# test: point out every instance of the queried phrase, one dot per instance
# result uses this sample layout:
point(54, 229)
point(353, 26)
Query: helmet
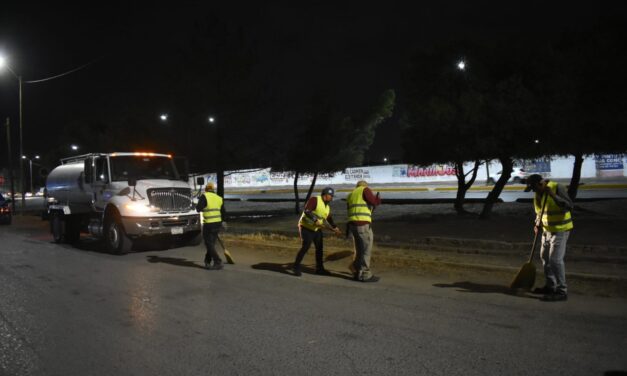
point(328, 191)
point(209, 187)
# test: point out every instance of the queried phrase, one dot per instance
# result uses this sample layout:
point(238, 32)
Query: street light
point(4, 64)
point(74, 147)
point(212, 119)
point(461, 65)
point(30, 160)
point(163, 117)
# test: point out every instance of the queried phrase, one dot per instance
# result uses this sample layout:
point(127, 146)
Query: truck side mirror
point(88, 170)
point(200, 181)
point(132, 181)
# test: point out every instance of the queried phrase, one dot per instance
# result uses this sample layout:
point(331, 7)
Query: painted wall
point(594, 166)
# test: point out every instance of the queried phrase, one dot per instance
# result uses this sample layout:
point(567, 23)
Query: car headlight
point(141, 208)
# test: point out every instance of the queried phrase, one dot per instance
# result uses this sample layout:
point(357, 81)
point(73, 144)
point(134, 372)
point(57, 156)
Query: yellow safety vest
point(322, 212)
point(358, 209)
point(554, 219)
point(211, 213)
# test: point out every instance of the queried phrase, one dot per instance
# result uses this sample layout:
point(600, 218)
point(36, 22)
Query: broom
point(227, 254)
point(526, 276)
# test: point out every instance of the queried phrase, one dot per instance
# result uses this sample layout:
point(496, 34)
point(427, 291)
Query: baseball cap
point(531, 181)
point(328, 191)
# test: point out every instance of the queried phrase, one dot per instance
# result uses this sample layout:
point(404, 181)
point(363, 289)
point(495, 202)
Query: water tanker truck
point(119, 198)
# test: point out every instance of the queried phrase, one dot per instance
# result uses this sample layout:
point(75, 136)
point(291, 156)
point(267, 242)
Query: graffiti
point(437, 170)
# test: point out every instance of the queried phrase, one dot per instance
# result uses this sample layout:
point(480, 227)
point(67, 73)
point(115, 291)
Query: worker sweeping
point(212, 209)
point(360, 204)
point(315, 217)
point(556, 221)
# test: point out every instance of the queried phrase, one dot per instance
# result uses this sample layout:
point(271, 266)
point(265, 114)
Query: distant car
point(517, 175)
point(40, 192)
point(5, 210)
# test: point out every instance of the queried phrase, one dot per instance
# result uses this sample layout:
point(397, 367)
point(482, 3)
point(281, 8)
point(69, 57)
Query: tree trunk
point(576, 177)
point(508, 166)
point(462, 186)
point(296, 198)
point(311, 187)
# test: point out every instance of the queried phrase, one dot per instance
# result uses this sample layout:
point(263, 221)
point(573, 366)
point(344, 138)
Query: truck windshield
point(142, 167)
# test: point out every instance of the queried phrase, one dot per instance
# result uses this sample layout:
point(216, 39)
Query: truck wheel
point(115, 238)
point(57, 227)
point(192, 239)
point(72, 230)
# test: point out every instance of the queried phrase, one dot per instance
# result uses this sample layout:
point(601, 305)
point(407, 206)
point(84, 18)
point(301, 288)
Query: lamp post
point(30, 161)
point(4, 64)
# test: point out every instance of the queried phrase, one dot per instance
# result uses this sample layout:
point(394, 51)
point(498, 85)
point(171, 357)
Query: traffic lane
point(84, 312)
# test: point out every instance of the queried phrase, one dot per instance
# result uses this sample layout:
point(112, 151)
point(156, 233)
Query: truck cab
point(120, 197)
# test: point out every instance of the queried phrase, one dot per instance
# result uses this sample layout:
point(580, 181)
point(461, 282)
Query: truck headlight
point(141, 208)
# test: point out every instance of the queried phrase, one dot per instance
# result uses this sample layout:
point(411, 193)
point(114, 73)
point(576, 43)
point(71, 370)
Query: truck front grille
point(171, 199)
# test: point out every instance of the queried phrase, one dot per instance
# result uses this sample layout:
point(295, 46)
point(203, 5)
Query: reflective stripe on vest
point(554, 219)
point(358, 209)
point(322, 212)
point(211, 212)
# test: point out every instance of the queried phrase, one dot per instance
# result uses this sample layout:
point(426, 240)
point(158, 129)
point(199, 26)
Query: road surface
point(72, 310)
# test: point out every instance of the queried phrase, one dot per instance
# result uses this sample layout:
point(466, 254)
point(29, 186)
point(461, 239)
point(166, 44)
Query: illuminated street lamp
point(74, 147)
point(164, 117)
point(461, 65)
point(4, 64)
point(30, 160)
point(212, 119)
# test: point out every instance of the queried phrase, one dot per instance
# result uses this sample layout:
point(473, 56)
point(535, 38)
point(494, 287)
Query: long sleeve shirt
point(372, 200)
point(311, 205)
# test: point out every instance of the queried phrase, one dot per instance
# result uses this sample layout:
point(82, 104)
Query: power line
point(62, 74)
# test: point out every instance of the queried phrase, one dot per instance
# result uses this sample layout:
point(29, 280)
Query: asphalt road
point(75, 311)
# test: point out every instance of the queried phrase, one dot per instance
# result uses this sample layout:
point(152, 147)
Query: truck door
point(101, 181)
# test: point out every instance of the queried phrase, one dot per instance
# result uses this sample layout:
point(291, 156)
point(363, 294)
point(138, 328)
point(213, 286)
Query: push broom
point(526, 276)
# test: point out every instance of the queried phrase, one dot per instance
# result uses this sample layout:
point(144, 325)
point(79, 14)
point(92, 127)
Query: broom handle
point(535, 238)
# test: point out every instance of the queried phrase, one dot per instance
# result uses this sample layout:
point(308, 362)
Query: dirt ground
point(601, 224)
point(433, 240)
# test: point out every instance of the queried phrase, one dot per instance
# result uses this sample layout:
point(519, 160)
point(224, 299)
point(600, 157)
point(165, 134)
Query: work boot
point(296, 269)
point(371, 279)
point(322, 271)
point(216, 267)
point(543, 290)
point(555, 297)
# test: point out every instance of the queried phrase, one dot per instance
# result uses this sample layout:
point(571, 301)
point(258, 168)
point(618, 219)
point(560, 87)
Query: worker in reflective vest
point(212, 208)
point(360, 204)
point(315, 217)
point(556, 222)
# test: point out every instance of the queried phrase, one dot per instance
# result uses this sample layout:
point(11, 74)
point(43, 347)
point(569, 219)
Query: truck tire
point(191, 239)
point(57, 227)
point(72, 229)
point(115, 237)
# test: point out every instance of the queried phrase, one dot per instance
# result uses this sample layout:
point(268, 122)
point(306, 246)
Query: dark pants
point(308, 237)
point(210, 235)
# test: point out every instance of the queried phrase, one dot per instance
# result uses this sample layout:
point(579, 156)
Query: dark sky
point(360, 49)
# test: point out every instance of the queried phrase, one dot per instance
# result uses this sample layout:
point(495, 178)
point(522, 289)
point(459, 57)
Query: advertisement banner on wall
point(538, 166)
point(609, 165)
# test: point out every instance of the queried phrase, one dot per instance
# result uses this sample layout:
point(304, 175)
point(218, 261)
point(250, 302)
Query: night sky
point(356, 49)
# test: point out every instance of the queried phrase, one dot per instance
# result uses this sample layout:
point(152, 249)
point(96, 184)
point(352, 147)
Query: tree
point(333, 140)
point(442, 114)
point(585, 95)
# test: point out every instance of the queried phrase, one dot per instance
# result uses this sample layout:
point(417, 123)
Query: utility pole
point(10, 165)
